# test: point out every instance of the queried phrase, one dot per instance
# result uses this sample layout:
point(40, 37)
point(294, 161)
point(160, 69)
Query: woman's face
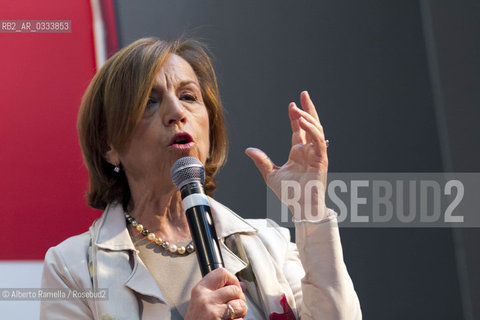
point(175, 124)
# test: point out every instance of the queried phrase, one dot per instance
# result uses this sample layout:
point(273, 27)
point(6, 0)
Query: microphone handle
point(202, 228)
point(205, 238)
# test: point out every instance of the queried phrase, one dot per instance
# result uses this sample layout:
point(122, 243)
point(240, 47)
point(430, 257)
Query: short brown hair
point(114, 103)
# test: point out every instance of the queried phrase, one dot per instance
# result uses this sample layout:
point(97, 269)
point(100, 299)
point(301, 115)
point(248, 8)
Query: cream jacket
point(308, 280)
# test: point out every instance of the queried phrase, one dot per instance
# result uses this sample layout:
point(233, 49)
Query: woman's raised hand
point(211, 297)
point(305, 172)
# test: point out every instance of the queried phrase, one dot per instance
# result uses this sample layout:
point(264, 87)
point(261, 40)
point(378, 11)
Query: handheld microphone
point(188, 175)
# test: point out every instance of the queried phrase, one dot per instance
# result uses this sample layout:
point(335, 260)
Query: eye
point(151, 107)
point(188, 97)
point(151, 102)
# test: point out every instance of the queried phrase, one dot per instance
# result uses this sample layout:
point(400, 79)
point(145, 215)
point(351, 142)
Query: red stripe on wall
point(110, 25)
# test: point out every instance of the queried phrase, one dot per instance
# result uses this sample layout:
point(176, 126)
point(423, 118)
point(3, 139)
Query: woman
point(152, 103)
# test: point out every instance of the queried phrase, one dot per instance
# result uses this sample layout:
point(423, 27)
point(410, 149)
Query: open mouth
point(181, 139)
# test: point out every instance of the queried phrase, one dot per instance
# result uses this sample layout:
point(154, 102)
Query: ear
point(112, 156)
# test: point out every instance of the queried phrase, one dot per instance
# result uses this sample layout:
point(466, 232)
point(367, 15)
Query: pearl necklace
point(171, 247)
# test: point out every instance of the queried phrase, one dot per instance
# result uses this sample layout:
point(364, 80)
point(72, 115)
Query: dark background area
point(396, 85)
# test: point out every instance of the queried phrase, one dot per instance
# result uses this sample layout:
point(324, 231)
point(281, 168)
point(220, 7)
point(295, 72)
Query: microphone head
point(186, 170)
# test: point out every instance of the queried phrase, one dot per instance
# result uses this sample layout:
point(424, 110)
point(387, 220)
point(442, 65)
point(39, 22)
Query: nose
point(174, 111)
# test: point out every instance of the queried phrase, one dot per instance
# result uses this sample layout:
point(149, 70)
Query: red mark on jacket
point(287, 311)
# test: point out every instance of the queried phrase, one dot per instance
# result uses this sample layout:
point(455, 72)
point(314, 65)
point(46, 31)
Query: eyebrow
point(157, 89)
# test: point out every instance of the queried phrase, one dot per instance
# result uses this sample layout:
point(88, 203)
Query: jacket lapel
point(269, 286)
point(116, 265)
point(228, 223)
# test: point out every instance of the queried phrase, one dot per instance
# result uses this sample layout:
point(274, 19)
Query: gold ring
point(231, 312)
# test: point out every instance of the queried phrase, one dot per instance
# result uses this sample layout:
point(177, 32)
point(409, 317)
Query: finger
point(261, 160)
point(315, 136)
point(308, 105)
point(302, 113)
point(298, 135)
point(239, 308)
point(219, 278)
point(310, 136)
point(227, 293)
